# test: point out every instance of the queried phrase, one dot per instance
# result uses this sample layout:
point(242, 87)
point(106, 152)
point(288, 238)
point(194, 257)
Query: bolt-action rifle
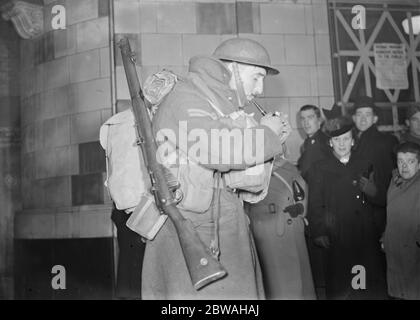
point(202, 266)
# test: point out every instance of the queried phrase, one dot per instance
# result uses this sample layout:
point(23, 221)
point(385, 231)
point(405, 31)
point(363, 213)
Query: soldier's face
point(309, 121)
point(342, 144)
point(408, 164)
point(364, 118)
point(252, 80)
point(414, 125)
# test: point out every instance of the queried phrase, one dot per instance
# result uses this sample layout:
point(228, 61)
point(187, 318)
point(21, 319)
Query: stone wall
point(66, 86)
point(65, 97)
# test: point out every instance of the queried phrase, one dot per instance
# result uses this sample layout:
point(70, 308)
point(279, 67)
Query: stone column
point(9, 152)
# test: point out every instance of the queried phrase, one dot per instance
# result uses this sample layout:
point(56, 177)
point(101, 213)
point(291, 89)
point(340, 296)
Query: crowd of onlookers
point(342, 224)
point(364, 205)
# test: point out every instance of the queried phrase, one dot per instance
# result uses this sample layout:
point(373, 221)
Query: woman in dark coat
point(341, 220)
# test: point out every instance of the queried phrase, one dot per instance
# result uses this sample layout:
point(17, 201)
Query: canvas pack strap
point(286, 183)
point(214, 243)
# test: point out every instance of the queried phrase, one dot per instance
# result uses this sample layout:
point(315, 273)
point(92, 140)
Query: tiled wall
point(166, 34)
point(65, 97)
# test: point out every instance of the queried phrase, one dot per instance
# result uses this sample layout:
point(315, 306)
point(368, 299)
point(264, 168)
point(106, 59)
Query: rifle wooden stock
point(202, 266)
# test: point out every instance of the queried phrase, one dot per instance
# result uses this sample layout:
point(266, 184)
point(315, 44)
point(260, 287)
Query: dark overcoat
point(338, 211)
point(377, 148)
point(314, 149)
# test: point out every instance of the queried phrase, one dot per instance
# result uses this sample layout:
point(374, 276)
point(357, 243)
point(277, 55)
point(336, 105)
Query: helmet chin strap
point(240, 92)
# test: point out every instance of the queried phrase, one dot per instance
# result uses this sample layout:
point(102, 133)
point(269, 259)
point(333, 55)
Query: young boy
point(401, 239)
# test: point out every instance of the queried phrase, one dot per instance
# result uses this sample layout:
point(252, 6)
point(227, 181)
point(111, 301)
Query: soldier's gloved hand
point(322, 241)
point(368, 186)
point(295, 209)
point(274, 122)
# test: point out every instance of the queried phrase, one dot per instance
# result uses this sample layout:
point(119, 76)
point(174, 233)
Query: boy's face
point(408, 164)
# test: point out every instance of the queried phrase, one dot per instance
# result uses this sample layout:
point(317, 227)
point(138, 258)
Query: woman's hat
point(337, 126)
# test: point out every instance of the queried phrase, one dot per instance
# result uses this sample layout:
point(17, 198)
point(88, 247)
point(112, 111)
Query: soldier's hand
point(274, 122)
point(368, 186)
point(322, 241)
point(285, 132)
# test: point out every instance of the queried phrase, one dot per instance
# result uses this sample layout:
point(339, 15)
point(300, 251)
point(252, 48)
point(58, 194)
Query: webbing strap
point(286, 183)
point(214, 243)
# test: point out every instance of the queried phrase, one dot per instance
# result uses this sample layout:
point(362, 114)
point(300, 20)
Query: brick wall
point(166, 34)
point(65, 97)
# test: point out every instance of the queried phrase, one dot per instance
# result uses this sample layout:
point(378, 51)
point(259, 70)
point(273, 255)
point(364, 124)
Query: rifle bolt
point(203, 261)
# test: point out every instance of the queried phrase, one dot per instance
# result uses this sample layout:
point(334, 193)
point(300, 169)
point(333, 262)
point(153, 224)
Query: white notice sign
point(391, 66)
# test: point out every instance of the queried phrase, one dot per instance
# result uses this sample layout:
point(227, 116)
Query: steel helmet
point(245, 51)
